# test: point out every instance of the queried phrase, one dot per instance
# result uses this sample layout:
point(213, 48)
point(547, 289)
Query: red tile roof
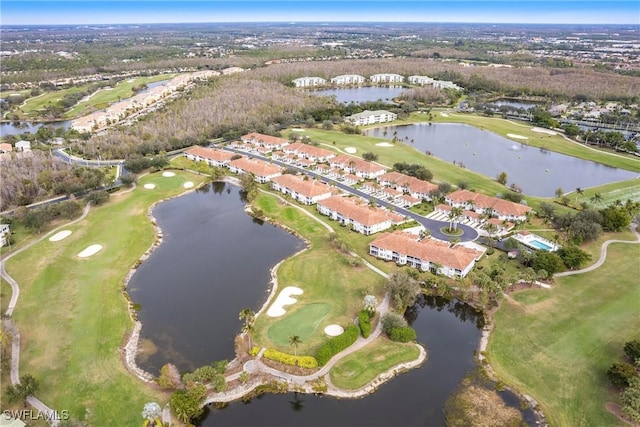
point(414, 185)
point(359, 164)
point(309, 188)
point(500, 206)
point(308, 150)
point(357, 210)
point(255, 138)
point(256, 167)
point(457, 257)
point(209, 153)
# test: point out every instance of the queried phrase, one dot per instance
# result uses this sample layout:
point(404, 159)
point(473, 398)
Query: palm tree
point(453, 216)
point(295, 340)
point(490, 228)
point(248, 329)
point(247, 315)
point(579, 192)
point(596, 198)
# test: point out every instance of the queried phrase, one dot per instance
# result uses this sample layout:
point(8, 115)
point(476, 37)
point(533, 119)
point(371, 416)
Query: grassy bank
point(359, 369)
point(557, 344)
point(72, 315)
point(323, 273)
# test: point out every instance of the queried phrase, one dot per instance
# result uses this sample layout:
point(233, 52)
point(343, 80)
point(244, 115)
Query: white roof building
point(309, 81)
point(23, 146)
point(386, 78)
point(370, 117)
point(348, 79)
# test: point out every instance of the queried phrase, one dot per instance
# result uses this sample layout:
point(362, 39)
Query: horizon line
point(292, 22)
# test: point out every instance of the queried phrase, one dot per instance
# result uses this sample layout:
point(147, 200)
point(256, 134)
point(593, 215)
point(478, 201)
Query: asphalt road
point(468, 234)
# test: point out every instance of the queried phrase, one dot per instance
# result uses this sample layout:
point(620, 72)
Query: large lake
point(22, 127)
point(215, 260)
point(538, 172)
point(362, 94)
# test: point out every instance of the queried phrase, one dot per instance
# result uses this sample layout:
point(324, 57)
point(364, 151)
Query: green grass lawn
point(302, 320)
point(360, 368)
point(73, 317)
point(557, 344)
point(325, 276)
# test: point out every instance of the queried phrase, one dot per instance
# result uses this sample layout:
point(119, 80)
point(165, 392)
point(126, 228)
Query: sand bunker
point(91, 250)
point(60, 235)
point(168, 174)
point(350, 150)
point(516, 136)
point(384, 144)
point(284, 298)
point(542, 130)
point(149, 186)
point(298, 130)
point(188, 184)
point(444, 114)
point(334, 330)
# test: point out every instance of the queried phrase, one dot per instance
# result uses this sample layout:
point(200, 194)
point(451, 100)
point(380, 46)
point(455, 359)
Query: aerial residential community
point(417, 214)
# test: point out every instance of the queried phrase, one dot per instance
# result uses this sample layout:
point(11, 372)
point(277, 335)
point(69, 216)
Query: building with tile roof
point(426, 254)
point(307, 192)
point(261, 170)
point(502, 209)
point(210, 156)
point(356, 213)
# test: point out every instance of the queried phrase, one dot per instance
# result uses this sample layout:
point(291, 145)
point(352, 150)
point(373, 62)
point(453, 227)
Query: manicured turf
point(306, 322)
point(72, 316)
point(360, 368)
point(556, 345)
point(322, 272)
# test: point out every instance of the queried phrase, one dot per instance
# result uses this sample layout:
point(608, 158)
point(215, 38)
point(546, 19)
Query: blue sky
point(19, 12)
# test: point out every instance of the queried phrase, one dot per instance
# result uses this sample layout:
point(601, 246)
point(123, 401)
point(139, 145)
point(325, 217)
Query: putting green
point(304, 322)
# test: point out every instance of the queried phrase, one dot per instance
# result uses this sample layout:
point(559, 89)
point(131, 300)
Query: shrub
point(620, 374)
point(98, 197)
point(254, 351)
point(490, 251)
point(364, 322)
point(288, 359)
point(336, 344)
point(405, 334)
point(391, 321)
point(632, 349)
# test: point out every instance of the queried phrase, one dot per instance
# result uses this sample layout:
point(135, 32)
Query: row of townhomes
point(368, 117)
point(504, 210)
point(358, 214)
point(356, 79)
point(426, 254)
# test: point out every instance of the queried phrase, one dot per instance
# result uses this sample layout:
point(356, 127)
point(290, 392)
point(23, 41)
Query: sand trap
point(284, 298)
point(91, 250)
point(384, 144)
point(149, 186)
point(350, 150)
point(168, 174)
point(542, 130)
point(60, 235)
point(188, 184)
point(516, 136)
point(444, 114)
point(297, 130)
point(334, 330)
point(131, 80)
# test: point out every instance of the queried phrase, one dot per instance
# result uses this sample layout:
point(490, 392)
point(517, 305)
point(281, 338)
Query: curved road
point(468, 234)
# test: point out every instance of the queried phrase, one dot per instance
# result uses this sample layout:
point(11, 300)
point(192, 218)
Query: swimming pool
point(540, 245)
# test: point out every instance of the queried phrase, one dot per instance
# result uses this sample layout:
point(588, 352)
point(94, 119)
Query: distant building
point(386, 78)
point(5, 147)
point(309, 81)
point(371, 117)
point(267, 141)
point(348, 79)
point(421, 80)
point(446, 85)
point(357, 166)
point(5, 233)
point(23, 146)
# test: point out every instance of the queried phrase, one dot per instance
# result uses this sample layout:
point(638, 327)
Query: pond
point(450, 331)
point(362, 94)
point(538, 172)
point(213, 262)
point(17, 128)
point(513, 103)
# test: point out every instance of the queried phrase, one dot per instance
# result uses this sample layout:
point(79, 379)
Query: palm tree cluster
point(249, 317)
